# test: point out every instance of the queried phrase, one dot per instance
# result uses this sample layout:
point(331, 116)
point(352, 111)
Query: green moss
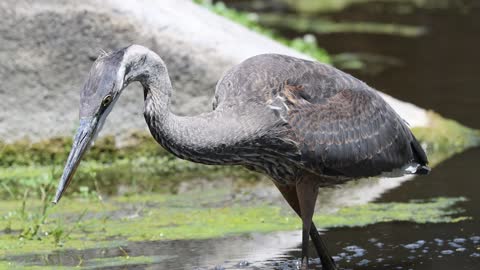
point(54, 151)
point(445, 137)
point(250, 20)
point(89, 264)
point(191, 216)
point(7, 265)
point(313, 6)
point(326, 6)
point(303, 24)
point(141, 164)
point(159, 174)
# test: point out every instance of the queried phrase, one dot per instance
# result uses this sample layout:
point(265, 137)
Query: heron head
point(102, 89)
point(109, 75)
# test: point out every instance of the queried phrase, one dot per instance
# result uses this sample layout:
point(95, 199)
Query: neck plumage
point(203, 138)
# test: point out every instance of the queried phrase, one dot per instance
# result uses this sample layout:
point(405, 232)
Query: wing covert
point(351, 133)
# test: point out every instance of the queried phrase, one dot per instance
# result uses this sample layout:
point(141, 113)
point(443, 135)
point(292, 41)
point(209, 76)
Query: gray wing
point(345, 128)
point(341, 125)
point(353, 133)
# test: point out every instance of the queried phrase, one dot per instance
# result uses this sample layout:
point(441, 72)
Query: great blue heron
point(303, 123)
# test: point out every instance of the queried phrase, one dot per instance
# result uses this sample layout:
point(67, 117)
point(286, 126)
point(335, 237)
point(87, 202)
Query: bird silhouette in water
point(303, 123)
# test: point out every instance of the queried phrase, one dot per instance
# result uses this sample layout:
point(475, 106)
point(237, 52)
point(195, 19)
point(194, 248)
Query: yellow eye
point(106, 100)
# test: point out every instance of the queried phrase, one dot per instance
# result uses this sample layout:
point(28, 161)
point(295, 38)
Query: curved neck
point(202, 138)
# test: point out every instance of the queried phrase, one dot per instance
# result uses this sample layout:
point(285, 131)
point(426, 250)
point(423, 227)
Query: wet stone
point(454, 245)
point(459, 240)
point(438, 241)
point(413, 246)
point(363, 262)
point(475, 239)
point(358, 251)
point(447, 252)
point(337, 258)
point(243, 264)
point(475, 255)
point(343, 254)
point(372, 240)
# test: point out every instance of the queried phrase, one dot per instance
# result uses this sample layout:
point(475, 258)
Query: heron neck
point(196, 138)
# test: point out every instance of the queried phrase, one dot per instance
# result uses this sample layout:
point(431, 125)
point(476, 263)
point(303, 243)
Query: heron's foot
point(304, 265)
point(328, 263)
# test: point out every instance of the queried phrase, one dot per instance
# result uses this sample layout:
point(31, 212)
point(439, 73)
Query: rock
point(48, 46)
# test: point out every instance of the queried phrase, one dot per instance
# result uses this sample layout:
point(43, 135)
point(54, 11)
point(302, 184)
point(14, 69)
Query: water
point(439, 69)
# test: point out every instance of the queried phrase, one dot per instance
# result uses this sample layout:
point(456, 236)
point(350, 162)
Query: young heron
point(303, 123)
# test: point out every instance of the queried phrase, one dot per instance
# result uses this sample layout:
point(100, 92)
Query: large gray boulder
point(48, 46)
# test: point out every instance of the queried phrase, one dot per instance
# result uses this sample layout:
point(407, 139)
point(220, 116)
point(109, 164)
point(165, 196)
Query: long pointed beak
point(83, 138)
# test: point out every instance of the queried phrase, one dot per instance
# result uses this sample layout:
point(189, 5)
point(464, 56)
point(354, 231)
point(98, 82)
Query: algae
point(300, 23)
point(324, 6)
point(170, 217)
point(443, 137)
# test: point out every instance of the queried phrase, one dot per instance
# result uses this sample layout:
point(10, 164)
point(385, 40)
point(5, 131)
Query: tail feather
point(422, 169)
point(420, 157)
point(418, 152)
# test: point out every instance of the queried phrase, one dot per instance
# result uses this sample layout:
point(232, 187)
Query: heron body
point(303, 123)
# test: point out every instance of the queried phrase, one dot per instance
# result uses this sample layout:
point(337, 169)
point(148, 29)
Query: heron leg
point(307, 192)
point(290, 195)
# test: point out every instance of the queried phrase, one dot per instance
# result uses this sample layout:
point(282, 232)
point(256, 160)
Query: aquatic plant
point(302, 24)
point(445, 137)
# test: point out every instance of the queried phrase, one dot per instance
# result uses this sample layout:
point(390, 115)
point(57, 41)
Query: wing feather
point(350, 132)
point(340, 125)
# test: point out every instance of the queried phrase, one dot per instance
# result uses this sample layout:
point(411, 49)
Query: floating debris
point(363, 262)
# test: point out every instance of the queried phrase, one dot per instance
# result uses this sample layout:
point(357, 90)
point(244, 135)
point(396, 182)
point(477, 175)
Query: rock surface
point(48, 46)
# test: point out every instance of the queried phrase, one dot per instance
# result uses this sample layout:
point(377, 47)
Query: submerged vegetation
point(303, 24)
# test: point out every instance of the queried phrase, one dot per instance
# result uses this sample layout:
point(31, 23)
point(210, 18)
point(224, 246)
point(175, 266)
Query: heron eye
point(106, 100)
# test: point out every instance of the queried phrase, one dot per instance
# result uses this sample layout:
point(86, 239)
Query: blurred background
point(134, 206)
